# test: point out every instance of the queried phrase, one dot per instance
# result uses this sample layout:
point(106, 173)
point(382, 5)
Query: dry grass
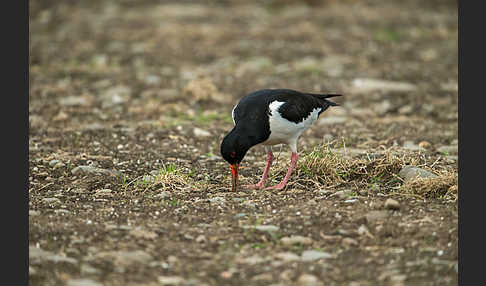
point(440, 187)
point(326, 167)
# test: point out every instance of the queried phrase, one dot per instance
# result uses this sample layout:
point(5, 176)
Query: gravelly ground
point(143, 91)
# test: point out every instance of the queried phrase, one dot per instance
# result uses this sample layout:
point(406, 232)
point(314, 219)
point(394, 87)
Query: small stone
point(263, 228)
point(410, 172)
point(348, 241)
point(240, 215)
point(103, 192)
point(363, 230)
point(162, 195)
point(143, 234)
point(83, 282)
point(392, 204)
point(226, 274)
point(374, 216)
point(311, 255)
point(425, 144)
point(217, 200)
point(123, 259)
point(308, 280)
point(198, 132)
point(406, 109)
point(60, 116)
point(267, 228)
point(332, 120)
point(53, 162)
point(365, 85)
point(87, 269)
point(51, 200)
point(410, 145)
point(34, 213)
point(170, 280)
point(74, 101)
point(341, 194)
point(201, 238)
point(287, 256)
point(88, 170)
point(296, 239)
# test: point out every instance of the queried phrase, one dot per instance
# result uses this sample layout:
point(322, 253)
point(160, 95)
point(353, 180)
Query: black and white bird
point(270, 117)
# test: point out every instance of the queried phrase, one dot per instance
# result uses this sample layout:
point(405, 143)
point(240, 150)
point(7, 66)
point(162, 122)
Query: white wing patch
point(285, 131)
point(233, 114)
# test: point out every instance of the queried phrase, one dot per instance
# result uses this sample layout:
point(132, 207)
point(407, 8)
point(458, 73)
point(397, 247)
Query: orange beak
point(234, 176)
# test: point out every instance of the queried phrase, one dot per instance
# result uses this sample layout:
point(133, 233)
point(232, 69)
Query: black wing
point(298, 105)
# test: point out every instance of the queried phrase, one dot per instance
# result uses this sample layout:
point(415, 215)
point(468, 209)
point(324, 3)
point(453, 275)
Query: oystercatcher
point(270, 117)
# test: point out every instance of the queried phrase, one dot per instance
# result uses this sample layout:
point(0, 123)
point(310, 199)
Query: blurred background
point(102, 54)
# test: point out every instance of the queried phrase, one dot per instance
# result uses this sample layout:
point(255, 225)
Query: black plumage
point(255, 122)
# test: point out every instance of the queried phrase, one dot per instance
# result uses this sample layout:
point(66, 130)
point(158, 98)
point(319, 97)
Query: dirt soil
point(129, 101)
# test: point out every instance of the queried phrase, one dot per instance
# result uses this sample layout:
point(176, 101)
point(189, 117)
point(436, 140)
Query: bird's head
point(233, 149)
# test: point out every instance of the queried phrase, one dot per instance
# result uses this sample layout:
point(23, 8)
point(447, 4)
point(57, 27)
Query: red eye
point(233, 154)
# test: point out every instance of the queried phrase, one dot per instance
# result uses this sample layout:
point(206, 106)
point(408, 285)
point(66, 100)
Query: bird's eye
point(233, 154)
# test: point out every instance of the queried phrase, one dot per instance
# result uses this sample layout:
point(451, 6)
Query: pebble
point(34, 213)
point(296, 239)
point(331, 120)
point(143, 234)
point(37, 255)
point(341, 194)
point(363, 230)
point(170, 280)
point(374, 216)
point(348, 241)
point(74, 101)
point(410, 172)
point(410, 145)
point(240, 215)
point(162, 195)
point(89, 170)
point(103, 192)
point(87, 269)
point(201, 238)
point(51, 200)
point(217, 200)
point(287, 256)
point(198, 132)
point(126, 258)
point(311, 255)
point(308, 280)
point(83, 282)
point(365, 85)
point(53, 162)
point(425, 144)
point(392, 204)
point(264, 228)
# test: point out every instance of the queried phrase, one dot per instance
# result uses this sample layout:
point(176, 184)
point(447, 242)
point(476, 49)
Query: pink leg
point(261, 184)
point(293, 162)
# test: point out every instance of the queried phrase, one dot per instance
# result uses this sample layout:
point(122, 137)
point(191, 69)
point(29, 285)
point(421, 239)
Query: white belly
point(285, 131)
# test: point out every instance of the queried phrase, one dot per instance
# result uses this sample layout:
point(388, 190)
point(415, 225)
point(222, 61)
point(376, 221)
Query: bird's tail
point(325, 96)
